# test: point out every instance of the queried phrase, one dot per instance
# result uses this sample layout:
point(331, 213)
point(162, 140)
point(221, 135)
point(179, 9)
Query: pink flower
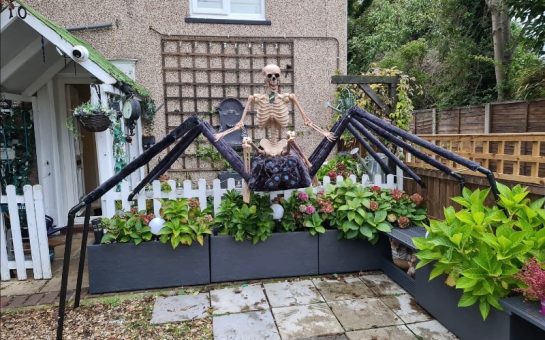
point(534, 278)
point(303, 196)
point(375, 188)
point(373, 206)
point(332, 174)
point(302, 208)
point(310, 210)
point(397, 194)
point(416, 198)
point(325, 206)
point(403, 221)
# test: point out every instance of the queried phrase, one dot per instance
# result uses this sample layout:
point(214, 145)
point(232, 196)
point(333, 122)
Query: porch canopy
point(34, 49)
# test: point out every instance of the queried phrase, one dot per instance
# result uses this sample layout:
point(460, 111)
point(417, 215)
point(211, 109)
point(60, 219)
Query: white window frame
point(225, 13)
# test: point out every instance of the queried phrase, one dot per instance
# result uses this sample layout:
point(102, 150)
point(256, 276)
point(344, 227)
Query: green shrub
point(127, 227)
point(185, 223)
point(245, 221)
point(481, 248)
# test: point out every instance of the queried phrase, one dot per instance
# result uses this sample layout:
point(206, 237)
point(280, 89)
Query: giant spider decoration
point(279, 164)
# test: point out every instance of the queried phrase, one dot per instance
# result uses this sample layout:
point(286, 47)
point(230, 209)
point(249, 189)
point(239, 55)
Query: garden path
point(355, 306)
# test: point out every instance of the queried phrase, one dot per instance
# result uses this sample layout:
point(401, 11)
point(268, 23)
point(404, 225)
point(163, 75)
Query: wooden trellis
point(511, 156)
point(199, 72)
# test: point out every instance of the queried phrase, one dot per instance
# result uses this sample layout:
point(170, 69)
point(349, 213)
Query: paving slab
point(386, 333)
point(238, 299)
point(316, 320)
point(180, 308)
point(363, 314)
point(406, 308)
point(381, 285)
point(242, 326)
point(431, 330)
point(342, 288)
point(282, 294)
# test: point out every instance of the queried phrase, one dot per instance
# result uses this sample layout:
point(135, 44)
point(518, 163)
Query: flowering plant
point(306, 210)
point(533, 276)
point(404, 209)
point(124, 227)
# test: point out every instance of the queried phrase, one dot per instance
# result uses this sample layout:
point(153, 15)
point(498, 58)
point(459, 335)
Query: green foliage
point(447, 47)
point(210, 154)
point(185, 223)
point(481, 248)
point(354, 216)
point(244, 221)
point(306, 210)
point(342, 165)
point(127, 227)
point(165, 187)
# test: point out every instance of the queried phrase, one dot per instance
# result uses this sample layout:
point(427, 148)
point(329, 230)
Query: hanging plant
point(93, 117)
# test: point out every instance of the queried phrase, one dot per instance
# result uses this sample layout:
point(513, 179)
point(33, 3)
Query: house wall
point(316, 27)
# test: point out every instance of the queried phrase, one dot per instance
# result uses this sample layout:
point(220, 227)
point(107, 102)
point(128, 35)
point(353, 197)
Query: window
point(228, 9)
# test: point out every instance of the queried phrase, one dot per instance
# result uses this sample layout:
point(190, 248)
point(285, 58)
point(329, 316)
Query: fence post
point(16, 232)
point(32, 231)
point(487, 118)
point(156, 185)
point(42, 231)
point(433, 121)
point(216, 191)
point(202, 193)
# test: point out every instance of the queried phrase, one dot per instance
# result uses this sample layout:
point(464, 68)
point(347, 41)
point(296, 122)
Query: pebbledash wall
point(317, 28)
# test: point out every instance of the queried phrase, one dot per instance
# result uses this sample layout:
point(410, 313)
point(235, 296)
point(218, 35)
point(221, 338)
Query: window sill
point(227, 21)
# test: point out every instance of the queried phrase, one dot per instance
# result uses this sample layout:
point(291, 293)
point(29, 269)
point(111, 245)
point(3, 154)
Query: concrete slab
point(381, 285)
point(307, 321)
point(250, 325)
point(406, 308)
point(342, 288)
point(293, 293)
point(386, 333)
point(431, 330)
point(239, 299)
point(180, 308)
point(364, 313)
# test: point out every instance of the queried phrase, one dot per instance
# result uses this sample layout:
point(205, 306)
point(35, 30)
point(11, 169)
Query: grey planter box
point(281, 255)
point(342, 256)
point(125, 266)
point(441, 301)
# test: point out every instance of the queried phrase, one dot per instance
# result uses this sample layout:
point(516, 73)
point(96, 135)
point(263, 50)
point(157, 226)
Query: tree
point(501, 36)
point(531, 15)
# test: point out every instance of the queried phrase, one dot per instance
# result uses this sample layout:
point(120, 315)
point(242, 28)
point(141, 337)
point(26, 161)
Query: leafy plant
point(356, 214)
point(404, 210)
point(127, 227)
point(245, 221)
point(481, 248)
point(185, 223)
point(306, 210)
point(342, 165)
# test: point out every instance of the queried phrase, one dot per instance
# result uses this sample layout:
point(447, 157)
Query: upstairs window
point(228, 9)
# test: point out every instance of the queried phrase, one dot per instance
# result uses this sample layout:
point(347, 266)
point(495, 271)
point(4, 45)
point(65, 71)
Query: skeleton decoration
point(272, 113)
point(275, 159)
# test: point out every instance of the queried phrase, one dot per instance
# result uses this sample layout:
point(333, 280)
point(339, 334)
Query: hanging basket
point(95, 122)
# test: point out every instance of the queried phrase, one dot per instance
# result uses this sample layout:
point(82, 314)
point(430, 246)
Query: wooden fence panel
point(536, 116)
point(509, 117)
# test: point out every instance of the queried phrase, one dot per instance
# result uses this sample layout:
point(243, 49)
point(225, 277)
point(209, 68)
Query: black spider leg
point(356, 111)
point(415, 152)
point(369, 149)
point(181, 131)
point(374, 140)
point(324, 148)
point(167, 161)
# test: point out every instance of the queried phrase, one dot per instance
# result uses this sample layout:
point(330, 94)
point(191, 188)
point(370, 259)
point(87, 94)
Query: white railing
point(12, 242)
point(202, 190)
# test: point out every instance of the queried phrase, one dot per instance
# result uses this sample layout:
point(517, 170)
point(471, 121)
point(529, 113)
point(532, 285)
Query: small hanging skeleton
point(272, 110)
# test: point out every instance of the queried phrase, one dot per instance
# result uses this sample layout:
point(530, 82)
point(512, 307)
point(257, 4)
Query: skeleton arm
point(329, 135)
point(238, 125)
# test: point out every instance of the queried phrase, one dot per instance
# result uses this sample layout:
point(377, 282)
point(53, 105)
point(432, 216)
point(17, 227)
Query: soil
point(106, 318)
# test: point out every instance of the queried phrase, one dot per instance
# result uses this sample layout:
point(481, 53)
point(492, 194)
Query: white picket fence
point(202, 190)
point(12, 244)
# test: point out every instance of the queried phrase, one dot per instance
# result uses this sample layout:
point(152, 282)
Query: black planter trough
point(281, 255)
point(125, 266)
point(441, 301)
point(343, 256)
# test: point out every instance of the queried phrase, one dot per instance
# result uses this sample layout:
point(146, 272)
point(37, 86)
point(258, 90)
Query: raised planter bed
point(125, 266)
point(281, 255)
point(526, 321)
point(342, 256)
point(441, 301)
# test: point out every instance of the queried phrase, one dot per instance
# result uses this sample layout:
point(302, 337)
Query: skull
point(272, 75)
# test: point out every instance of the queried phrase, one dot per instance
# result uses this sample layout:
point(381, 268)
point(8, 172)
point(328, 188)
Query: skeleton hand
point(219, 135)
point(330, 136)
point(237, 126)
